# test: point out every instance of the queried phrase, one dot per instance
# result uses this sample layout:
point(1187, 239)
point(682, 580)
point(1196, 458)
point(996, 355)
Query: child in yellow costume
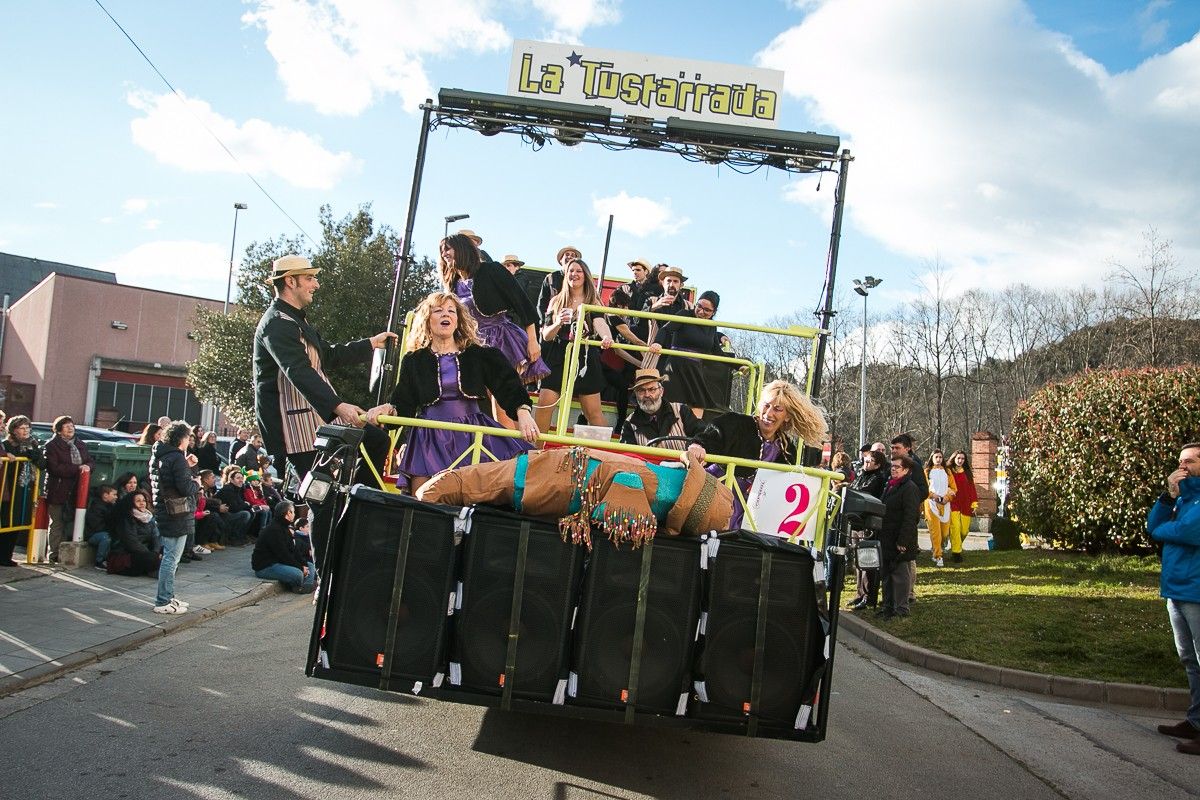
point(937, 506)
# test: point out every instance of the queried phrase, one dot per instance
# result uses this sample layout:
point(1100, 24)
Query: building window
point(141, 403)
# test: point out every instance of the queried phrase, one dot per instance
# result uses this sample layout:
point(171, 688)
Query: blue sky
point(1007, 140)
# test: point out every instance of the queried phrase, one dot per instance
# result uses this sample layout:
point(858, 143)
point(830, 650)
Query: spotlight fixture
point(568, 137)
point(116, 324)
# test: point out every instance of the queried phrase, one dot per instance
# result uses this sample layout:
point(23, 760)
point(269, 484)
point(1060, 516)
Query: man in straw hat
point(653, 418)
point(512, 264)
point(292, 394)
point(672, 299)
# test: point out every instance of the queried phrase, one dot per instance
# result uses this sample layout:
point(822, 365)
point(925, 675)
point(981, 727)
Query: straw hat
point(512, 259)
point(668, 270)
point(470, 234)
point(640, 261)
point(645, 377)
point(290, 265)
point(561, 250)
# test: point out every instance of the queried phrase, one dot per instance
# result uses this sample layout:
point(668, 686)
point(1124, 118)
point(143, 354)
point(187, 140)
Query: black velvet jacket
point(480, 370)
point(496, 290)
point(737, 435)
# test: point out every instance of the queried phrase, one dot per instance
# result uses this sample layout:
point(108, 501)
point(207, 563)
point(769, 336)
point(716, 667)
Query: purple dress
point(770, 451)
point(499, 331)
point(431, 450)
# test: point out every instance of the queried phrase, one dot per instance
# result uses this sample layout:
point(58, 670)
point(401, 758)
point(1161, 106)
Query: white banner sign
point(634, 84)
point(783, 504)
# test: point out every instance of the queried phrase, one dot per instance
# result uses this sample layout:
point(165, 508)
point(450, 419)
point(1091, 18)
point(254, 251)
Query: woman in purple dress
point(444, 376)
point(504, 313)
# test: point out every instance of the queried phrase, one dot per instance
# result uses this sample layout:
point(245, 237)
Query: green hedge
point(1090, 454)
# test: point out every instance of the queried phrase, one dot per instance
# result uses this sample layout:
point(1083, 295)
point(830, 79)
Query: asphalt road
point(223, 710)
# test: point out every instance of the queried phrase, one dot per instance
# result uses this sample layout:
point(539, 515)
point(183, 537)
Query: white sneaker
point(175, 601)
point(201, 550)
point(169, 608)
point(939, 562)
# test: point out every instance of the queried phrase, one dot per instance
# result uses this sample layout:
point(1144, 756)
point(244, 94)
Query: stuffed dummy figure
point(627, 497)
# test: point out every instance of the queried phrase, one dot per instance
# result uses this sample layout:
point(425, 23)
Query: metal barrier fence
point(826, 497)
point(20, 488)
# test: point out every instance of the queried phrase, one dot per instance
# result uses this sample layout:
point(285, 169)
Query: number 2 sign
point(782, 503)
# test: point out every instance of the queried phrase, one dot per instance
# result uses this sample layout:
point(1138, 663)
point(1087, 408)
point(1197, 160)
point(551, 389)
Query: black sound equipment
point(390, 592)
point(763, 644)
point(638, 622)
point(520, 586)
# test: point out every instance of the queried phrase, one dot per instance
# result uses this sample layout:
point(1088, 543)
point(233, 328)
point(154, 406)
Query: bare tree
point(1156, 291)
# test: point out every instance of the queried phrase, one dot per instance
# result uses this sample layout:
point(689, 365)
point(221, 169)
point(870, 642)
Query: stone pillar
point(76, 554)
point(983, 465)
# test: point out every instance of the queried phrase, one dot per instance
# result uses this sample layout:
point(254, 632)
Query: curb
point(1154, 698)
point(35, 676)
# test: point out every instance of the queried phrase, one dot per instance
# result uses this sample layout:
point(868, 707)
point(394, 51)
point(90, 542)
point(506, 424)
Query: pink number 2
point(792, 526)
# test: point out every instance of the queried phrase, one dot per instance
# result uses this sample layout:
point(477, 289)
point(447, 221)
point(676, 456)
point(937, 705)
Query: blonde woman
point(785, 419)
point(937, 506)
point(443, 377)
point(558, 330)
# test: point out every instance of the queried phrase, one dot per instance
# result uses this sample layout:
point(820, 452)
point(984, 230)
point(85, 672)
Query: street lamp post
point(232, 248)
point(863, 287)
point(452, 218)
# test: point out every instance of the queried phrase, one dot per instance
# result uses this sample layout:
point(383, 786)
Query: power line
point(216, 138)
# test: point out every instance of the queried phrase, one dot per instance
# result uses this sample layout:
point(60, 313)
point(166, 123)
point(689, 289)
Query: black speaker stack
point(485, 606)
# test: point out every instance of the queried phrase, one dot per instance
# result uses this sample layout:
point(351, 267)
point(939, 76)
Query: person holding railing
point(18, 500)
point(784, 412)
point(443, 377)
point(558, 331)
point(505, 318)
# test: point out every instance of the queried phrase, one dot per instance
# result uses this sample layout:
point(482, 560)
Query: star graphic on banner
point(574, 59)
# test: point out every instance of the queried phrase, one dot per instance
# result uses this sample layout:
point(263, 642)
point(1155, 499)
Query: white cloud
point(184, 267)
point(340, 56)
point(174, 132)
point(994, 144)
point(107, 220)
point(569, 18)
point(135, 205)
point(1154, 30)
point(638, 216)
point(46, 204)
point(151, 224)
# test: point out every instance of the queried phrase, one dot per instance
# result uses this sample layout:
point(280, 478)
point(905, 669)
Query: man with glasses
point(898, 539)
point(653, 419)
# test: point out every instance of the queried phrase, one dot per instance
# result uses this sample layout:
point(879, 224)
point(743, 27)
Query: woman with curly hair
point(785, 419)
point(443, 377)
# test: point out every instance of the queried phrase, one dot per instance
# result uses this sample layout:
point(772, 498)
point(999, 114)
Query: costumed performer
point(783, 412)
point(444, 375)
point(507, 319)
point(558, 330)
point(937, 506)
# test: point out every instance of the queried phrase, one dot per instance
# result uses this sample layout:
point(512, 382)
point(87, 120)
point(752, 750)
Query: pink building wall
point(58, 327)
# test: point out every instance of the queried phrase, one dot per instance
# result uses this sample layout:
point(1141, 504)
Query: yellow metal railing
point(757, 371)
point(18, 502)
point(476, 451)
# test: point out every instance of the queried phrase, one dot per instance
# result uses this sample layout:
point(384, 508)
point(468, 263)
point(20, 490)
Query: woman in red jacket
point(962, 505)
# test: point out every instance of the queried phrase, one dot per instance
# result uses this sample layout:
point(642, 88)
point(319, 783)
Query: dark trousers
point(868, 586)
point(897, 578)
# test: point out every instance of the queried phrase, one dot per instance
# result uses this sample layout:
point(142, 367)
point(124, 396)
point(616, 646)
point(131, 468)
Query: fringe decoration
point(624, 525)
point(578, 526)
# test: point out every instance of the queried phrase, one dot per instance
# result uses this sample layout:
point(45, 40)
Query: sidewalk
point(54, 620)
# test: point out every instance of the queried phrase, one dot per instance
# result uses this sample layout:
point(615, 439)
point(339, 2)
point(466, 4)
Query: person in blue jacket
point(1174, 521)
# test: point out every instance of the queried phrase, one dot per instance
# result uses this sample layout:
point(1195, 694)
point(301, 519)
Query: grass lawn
point(1059, 613)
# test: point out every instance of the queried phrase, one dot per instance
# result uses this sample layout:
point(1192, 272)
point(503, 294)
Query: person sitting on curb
point(279, 557)
point(232, 495)
point(252, 491)
point(96, 522)
point(134, 547)
point(1174, 520)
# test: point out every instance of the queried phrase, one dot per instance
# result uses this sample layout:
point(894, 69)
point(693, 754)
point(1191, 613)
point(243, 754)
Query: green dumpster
point(114, 458)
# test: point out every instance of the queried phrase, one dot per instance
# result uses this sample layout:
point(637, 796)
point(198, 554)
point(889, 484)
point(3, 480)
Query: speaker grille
point(360, 608)
point(553, 572)
point(792, 641)
point(608, 619)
